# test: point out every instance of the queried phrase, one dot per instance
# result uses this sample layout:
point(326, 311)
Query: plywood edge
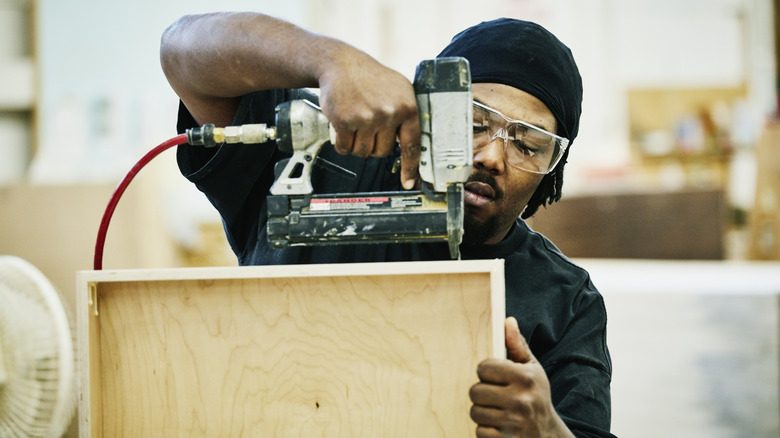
point(317, 270)
point(88, 375)
point(498, 307)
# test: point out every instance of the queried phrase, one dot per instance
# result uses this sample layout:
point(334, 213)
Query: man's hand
point(512, 398)
point(371, 106)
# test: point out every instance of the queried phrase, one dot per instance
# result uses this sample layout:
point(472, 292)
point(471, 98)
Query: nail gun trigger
point(279, 167)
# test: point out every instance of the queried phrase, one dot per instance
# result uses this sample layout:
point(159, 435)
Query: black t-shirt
point(560, 312)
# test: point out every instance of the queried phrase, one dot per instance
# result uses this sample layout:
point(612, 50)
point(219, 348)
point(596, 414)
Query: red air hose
point(101, 237)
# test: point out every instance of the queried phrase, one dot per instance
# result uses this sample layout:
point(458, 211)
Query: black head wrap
point(526, 56)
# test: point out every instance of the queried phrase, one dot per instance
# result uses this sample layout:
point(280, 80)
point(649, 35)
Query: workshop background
point(671, 200)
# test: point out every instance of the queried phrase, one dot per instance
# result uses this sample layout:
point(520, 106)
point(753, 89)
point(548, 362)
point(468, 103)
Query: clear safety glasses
point(526, 147)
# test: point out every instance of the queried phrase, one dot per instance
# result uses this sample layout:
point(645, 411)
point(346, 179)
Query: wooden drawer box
point(381, 349)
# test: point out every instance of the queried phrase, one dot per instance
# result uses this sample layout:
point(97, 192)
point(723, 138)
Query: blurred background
point(671, 200)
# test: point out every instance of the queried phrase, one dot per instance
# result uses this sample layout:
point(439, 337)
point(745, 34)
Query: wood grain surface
point(308, 355)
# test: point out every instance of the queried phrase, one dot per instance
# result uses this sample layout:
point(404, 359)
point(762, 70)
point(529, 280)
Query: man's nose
point(491, 155)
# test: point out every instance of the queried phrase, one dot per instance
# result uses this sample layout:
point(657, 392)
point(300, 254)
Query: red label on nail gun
point(348, 203)
point(347, 200)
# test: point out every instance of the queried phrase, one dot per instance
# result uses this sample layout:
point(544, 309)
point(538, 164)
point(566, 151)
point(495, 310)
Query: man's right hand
point(371, 107)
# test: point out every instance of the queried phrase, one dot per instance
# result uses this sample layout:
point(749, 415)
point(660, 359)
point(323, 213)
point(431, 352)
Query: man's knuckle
point(521, 405)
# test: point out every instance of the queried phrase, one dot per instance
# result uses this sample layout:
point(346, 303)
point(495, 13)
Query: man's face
point(496, 193)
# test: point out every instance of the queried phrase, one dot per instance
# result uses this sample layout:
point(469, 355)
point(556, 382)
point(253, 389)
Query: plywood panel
point(378, 352)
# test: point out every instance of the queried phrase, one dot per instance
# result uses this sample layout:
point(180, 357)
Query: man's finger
point(516, 347)
point(486, 416)
point(385, 143)
point(345, 140)
point(409, 139)
point(487, 394)
point(488, 432)
point(364, 143)
point(493, 372)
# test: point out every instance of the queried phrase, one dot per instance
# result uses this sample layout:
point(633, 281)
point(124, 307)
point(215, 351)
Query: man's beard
point(477, 232)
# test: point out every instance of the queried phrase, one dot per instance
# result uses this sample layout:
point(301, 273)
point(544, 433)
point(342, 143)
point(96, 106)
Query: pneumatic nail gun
point(296, 216)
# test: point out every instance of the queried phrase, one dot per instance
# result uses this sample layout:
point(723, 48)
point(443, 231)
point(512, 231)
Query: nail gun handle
point(301, 129)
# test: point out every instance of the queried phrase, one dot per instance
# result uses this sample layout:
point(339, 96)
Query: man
point(234, 68)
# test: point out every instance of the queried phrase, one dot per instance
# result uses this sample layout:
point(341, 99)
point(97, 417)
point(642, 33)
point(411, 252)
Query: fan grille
point(37, 398)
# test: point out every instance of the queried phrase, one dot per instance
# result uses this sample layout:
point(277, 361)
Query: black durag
point(526, 56)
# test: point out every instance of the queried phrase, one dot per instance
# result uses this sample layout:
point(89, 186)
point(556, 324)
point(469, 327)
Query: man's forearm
point(230, 54)
point(211, 57)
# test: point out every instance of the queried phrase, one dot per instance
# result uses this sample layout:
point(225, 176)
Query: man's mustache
point(487, 178)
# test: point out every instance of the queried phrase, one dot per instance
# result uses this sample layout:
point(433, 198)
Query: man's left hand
point(512, 398)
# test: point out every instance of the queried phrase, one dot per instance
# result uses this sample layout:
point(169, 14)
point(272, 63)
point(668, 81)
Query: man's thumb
point(516, 347)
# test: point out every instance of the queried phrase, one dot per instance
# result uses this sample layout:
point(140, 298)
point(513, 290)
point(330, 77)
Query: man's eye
point(479, 128)
point(524, 148)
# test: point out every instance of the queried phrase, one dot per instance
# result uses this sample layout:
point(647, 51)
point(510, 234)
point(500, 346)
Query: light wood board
point(319, 350)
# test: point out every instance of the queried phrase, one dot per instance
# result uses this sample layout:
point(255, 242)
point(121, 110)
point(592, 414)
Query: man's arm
point(513, 395)
point(211, 60)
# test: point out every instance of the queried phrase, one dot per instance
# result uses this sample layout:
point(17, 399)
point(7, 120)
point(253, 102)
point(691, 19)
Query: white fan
point(37, 364)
